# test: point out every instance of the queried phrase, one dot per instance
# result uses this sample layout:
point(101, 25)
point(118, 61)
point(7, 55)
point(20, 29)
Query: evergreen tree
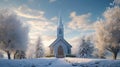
point(85, 49)
point(39, 49)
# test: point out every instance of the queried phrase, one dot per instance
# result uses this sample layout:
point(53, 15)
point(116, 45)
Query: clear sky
point(42, 15)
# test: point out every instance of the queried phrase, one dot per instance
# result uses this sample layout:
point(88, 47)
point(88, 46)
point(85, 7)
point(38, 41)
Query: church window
point(60, 31)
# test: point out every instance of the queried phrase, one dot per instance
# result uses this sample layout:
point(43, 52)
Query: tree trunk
point(115, 55)
point(8, 53)
point(15, 54)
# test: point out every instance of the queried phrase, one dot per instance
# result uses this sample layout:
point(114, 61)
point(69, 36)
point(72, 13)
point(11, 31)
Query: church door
point(60, 52)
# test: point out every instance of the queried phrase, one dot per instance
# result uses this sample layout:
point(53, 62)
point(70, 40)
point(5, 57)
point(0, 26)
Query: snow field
point(60, 62)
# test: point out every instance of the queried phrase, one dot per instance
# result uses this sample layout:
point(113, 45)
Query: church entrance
point(60, 52)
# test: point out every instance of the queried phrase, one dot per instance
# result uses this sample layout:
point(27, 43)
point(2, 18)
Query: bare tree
point(13, 34)
point(108, 31)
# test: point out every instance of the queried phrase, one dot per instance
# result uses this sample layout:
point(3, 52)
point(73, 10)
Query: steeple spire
point(60, 29)
point(60, 19)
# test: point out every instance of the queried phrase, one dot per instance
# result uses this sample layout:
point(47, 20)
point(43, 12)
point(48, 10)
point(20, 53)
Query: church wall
point(69, 50)
point(51, 51)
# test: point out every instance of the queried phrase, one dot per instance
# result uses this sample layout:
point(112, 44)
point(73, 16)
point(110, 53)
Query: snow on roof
point(60, 39)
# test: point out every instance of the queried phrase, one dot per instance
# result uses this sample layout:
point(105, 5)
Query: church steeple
point(60, 20)
point(60, 47)
point(60, 29)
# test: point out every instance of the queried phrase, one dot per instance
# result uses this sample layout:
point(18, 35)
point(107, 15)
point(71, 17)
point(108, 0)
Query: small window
point(60, 31)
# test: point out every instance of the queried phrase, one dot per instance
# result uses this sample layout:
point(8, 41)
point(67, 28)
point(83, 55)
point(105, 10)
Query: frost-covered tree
point(13, 34)
point(30, 53)
point(108, 31)
point(99, 39)
point(85, 49)
point(39, 49)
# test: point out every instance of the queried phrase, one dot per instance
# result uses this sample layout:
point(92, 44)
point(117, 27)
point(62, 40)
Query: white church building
point(60, 47)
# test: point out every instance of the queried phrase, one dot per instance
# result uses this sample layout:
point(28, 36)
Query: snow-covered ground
point(84, 62)
point(61, 62)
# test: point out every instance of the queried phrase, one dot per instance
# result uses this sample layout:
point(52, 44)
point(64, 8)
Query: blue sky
point(42, 15)
point(52, 7)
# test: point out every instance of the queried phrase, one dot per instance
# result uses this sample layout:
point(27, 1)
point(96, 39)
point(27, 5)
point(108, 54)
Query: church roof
point(60, 39)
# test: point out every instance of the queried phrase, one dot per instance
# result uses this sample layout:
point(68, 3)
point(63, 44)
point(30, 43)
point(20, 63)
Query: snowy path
point(60, 63)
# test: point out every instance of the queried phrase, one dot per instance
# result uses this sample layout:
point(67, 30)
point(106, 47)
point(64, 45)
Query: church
point(60, 48)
